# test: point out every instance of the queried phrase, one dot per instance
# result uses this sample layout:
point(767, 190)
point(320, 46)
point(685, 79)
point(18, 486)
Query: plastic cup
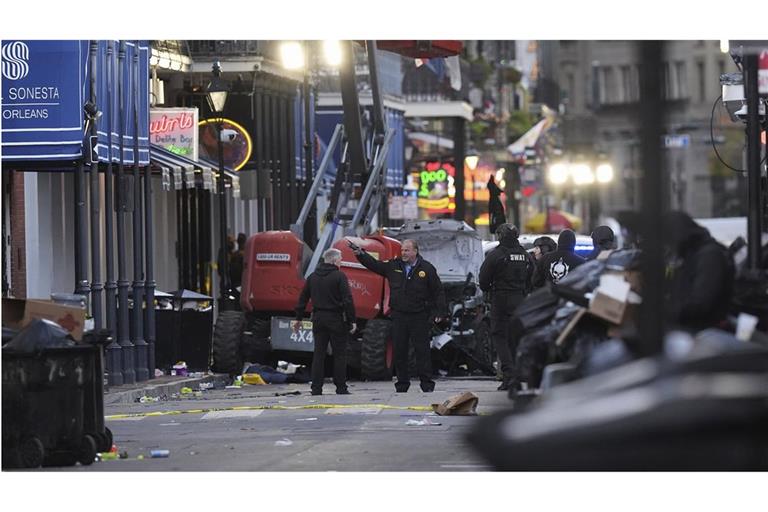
point(745, 326)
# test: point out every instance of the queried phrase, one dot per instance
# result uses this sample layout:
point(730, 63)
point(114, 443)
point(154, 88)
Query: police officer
point(416, 298)
point(333, 316)
point(506, 273)
point(554, 266)
point(603, 239)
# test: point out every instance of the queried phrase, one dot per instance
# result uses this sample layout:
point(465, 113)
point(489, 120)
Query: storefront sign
point(396, 205)
point(410, 208)
point(175, 129)
point(42, 99)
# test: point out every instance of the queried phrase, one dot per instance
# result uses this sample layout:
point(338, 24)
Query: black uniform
point(700, 278)
point(416, 298)
point(554, 266)
point(506, 273)
point(603, 239)
point(333, 314)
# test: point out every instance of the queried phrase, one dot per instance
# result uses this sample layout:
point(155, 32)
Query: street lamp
point(217, 92)
point(292, 55)
point(558, 173)
point(604, 173)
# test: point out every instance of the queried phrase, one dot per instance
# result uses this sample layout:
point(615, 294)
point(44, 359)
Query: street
point(268, 428)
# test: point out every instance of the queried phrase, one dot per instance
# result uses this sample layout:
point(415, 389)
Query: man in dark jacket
point(700, 274)
point(506, 273)
point(603, 239)
point(333, 316)
point(554, 266)
point(416, 298)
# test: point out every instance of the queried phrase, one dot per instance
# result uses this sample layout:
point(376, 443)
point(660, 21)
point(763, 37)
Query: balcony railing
point(223, 49)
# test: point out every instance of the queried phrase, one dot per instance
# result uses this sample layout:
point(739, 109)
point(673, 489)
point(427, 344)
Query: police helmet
point(507, 231)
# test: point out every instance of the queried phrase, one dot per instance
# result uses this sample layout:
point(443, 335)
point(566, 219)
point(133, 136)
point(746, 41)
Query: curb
point(132, 395)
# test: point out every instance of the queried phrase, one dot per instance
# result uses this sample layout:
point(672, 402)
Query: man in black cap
point(416, 298)
point(506, 273)
point(333, 317)
point(603, 239)
point(554, 266)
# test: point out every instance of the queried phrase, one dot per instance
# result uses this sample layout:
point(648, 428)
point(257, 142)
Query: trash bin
point(53, 407)
point(184, 333)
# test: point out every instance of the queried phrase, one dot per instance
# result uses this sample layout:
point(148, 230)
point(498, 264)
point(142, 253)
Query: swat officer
point(416, 298)
point(506, 273)
point(554, 266)
point(333, 316)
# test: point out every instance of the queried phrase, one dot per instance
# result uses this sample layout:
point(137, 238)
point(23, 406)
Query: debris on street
point(464, 404)
point(284, 442)
point(422, 422)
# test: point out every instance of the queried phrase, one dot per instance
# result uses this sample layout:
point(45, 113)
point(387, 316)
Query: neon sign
point(430, 177)
point(175, 130)
point(237, 150)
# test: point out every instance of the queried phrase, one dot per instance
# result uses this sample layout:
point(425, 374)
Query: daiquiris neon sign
point(428, 178)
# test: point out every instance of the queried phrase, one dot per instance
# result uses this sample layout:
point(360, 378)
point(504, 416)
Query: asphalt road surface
point(267, 428)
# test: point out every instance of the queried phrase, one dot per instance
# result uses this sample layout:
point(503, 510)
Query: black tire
point(110, 438)
point(31, 453)
point(374, 364)
point(226, 342)
point(256, 348)
point(87, 452)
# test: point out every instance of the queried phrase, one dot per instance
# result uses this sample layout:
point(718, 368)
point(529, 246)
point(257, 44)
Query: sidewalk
point(159, 386)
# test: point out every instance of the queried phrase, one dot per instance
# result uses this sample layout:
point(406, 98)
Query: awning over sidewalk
point(188, 173)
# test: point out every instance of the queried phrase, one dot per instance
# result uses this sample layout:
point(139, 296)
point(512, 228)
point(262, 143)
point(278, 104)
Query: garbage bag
point(583, 278)
point(606, 356)
point(537, 308)
point(39, 335)
point(536, 350)
point(624, 259)
point(8, 334)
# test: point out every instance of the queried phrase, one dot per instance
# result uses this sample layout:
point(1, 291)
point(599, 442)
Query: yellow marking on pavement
point(265, 407)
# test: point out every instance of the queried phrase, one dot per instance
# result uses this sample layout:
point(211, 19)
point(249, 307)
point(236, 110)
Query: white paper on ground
point(440, 340)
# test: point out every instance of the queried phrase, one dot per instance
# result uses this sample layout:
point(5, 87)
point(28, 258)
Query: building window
point(607, 86)
point(681, 75)
point(675, 80)
point(702, 79)
point(628, 92)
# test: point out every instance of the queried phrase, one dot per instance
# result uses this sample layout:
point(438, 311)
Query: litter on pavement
point(283, 442)
point(306, 419)
point(463, 404)
point(422, 422)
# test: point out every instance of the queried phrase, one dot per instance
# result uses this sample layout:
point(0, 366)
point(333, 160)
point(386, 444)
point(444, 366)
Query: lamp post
point(217, 93)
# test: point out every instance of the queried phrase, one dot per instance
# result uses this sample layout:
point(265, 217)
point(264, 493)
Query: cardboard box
point(464, 404)
point(18, 313)
point(610, 298)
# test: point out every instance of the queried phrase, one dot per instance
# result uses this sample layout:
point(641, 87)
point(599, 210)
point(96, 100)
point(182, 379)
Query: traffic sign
point(677, 141)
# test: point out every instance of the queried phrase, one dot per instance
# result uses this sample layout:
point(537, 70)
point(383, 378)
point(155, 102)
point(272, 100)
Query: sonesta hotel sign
point(42, 99)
